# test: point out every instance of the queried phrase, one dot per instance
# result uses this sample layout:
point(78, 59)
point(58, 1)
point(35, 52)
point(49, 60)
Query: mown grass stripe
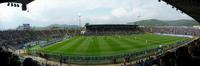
point(59, 44)
point(83, 46)
point(94, 46)
point(104, 46)
point(114, 45)
point(73, 46)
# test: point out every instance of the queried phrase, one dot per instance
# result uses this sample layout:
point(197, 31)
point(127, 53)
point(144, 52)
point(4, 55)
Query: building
point(24, 27)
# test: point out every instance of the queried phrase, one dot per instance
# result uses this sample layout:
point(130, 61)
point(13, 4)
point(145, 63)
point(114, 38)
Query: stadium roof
point(13, 3)
point(109, 25)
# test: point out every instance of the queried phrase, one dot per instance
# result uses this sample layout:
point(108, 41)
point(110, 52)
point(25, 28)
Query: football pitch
point(110, 45)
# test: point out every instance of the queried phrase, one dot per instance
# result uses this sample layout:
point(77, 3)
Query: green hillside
point(156, 22)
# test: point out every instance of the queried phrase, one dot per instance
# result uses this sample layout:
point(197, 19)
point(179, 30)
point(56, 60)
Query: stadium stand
point(173, 30)
point(111, 29)
point(187, 55)
point(17, 38)
point(8, 58)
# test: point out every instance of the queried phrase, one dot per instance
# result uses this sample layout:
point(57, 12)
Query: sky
point(46, 12)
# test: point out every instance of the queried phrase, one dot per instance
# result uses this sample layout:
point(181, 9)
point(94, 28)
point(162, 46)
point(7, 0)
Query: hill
point(57, 26)
point(156, 22)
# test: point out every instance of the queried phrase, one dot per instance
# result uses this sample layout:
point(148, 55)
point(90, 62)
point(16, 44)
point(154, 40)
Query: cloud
point(45, 12)
point(101, 18)
point(119, 12)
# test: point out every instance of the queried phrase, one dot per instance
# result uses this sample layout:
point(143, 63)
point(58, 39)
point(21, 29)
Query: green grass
point(109, 45)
